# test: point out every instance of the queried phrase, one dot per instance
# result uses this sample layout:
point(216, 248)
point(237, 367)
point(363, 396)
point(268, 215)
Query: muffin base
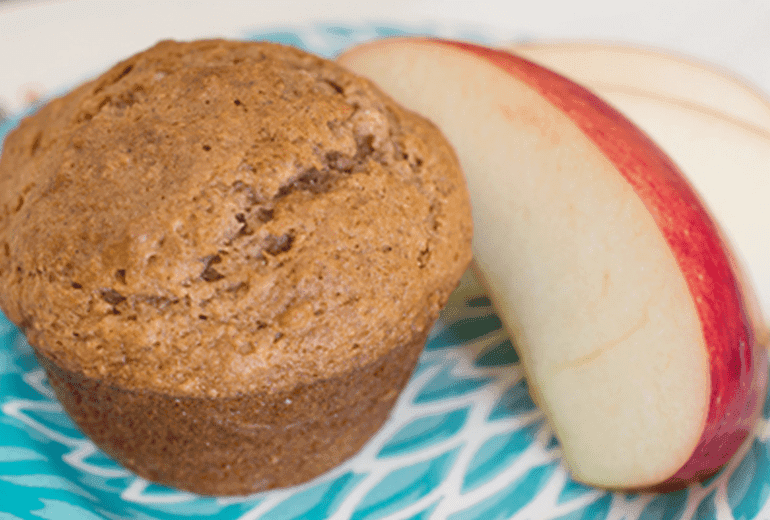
point(237, 445)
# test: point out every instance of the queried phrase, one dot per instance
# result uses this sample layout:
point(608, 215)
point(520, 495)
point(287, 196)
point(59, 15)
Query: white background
point(48, 45)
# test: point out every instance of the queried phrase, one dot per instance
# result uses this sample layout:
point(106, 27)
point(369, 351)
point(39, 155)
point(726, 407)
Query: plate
point(465, 440)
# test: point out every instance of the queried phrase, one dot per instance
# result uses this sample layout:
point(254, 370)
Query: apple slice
point(624, 301)
point(729, 165)
point(604, 66)
point(699, 128)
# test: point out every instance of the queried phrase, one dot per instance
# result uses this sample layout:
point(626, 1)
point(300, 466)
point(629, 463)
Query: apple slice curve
point(611, 276)
point(729, 165)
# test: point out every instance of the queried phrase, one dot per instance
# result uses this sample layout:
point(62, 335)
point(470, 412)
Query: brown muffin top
point(214, 218)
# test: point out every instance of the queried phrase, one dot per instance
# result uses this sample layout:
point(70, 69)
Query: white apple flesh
point(604, 67)
point(729, 165)
point(709, 123)
point(621, 295)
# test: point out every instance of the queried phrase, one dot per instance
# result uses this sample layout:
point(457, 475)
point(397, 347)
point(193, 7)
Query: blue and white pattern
point(464, 442)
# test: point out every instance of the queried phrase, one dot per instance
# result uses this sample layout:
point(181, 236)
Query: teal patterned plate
point(464, 442)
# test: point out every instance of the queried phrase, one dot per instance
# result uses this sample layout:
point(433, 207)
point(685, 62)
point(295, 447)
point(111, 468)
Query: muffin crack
point(216, 236)
point(207, 198)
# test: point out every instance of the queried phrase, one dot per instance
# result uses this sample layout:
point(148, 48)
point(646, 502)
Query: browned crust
point(214, 218)
point(227, 256)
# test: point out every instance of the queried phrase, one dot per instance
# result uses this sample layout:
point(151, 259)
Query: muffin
point(227, 257)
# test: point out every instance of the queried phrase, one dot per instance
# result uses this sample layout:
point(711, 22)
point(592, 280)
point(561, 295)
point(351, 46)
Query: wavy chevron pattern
point(465, 441)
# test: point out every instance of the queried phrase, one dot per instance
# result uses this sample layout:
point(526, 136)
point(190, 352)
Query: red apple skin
point(725, 304)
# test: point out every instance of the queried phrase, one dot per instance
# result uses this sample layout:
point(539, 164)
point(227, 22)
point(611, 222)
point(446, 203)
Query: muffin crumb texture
point(228, 256)
point(217, 218)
